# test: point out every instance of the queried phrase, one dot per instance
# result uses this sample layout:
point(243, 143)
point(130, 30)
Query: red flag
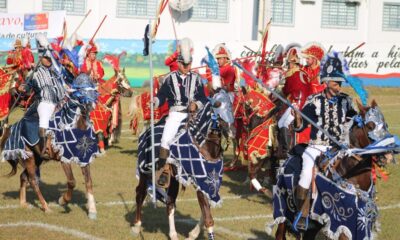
point(264, 40)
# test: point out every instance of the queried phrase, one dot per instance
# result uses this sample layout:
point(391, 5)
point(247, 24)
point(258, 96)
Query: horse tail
point(134, 105)
point(118, 129)
point(14, 165)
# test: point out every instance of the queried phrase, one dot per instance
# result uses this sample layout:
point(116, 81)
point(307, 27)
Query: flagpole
point(153, 155)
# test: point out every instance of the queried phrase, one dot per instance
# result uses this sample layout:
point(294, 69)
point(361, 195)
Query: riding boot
point(42, 144)
point(302, 204)
point(283, 138)
point(162, 168)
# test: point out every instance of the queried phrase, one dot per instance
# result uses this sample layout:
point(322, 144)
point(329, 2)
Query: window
point(391, 16)
point(339, 14)
point(73, 7)
point(136, 8)
point(3, 5)
point(210, 10)
point(282, 12)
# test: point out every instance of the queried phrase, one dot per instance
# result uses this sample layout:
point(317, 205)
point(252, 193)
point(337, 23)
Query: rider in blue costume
point(330, 109)
point(49, 90)
point(184, 92)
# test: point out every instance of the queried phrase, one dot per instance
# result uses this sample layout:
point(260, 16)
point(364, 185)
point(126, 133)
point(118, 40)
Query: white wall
point(238, 27)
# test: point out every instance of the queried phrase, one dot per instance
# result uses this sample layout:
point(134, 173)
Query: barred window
point(210, 11)
point(282, 12)
point(391, 16)
point(73, 7)
point(339, 14)
point(3, 5)
point(136, 8)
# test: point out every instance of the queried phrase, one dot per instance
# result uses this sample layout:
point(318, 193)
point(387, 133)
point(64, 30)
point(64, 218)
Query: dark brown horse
point(209, 152)
point(30, 159)
point(355, 169)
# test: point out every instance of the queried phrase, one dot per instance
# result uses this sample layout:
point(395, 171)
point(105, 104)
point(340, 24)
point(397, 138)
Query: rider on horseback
point(184, 92)
point(329, 109)
point(49, 90)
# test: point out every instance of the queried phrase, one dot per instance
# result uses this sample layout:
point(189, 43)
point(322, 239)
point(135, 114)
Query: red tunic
point(297, 86)
point(313, 73)
point(228, 77)
point(171, 62)
point(94, 69)
point(27, 58)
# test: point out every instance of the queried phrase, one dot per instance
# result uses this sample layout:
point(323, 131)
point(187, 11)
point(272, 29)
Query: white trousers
point(309, 156)
point(171, 127)
point(45, 111)
point(286, 119)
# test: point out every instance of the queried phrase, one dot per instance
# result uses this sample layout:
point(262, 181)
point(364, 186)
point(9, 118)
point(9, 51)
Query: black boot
point(162, 169)
point(283, 138)
point(42, 144)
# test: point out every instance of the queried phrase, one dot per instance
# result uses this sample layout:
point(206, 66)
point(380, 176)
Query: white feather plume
point(186, 49)
point(42, 40)
point(82, 54)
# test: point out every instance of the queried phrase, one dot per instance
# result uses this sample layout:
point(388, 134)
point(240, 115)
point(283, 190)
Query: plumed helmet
point(185, 51)
point(17, 43)
point(83, 89)
point(221, 51)
point(313, 49)
point(334, 68)
point(43, 46)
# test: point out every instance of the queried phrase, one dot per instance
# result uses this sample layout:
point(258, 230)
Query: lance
point(153, 154)
point(98, 28)
point(80, 24)
point(289, 104)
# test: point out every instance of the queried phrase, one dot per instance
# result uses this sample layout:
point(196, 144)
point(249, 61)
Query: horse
point(197, 147)
point(343, 175)
point(107, 117)
point(70, 139)
point(259, 144)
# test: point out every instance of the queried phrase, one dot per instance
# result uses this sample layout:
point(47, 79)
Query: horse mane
point(106, 87)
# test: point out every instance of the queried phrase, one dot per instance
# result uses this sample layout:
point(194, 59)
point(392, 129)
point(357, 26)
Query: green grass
point(114, 180)
point(136, 75)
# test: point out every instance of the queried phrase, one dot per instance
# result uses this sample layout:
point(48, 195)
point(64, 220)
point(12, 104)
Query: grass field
point(136, 75)
point(242, 216)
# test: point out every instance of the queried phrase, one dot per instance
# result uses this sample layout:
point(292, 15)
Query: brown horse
point(107, 116)
point(210, 155)
point(354, 169)
point(30, 157)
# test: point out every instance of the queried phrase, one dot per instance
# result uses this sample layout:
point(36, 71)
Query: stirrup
point(300, 227)
point(163, 177)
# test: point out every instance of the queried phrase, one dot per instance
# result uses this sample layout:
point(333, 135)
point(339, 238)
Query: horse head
point(123, 83)
point(365, 130)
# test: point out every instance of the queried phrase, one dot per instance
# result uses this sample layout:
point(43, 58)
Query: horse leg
point(101, 145)
point(66, 197)
point(140, 197)
point(206, 213)
point(91, 203)
point(280, 233)
point(173, 191)
point(30, 167)
point(22, 190)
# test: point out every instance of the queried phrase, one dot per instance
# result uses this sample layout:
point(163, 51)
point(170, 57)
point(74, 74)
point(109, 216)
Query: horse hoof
point(173, 236)
point(26, 205)
point(61, 201)
point(92, 215)
point(47, 211)
point(135, 230)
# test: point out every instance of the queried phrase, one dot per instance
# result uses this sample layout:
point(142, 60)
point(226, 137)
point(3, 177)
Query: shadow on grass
point(51, 193)
point(132, 152)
